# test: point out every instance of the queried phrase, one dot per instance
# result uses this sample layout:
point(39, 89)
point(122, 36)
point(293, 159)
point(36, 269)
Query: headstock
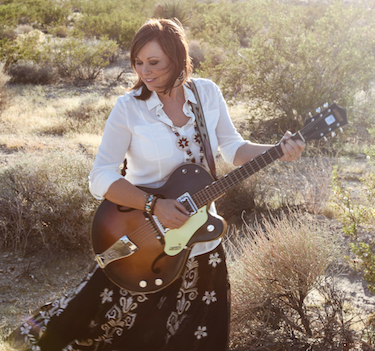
point(326, 121)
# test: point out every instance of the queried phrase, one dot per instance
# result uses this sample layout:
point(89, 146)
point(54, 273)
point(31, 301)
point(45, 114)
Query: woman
point(152, 125)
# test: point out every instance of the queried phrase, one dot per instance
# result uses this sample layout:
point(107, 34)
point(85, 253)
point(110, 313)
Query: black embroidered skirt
point(190, 314)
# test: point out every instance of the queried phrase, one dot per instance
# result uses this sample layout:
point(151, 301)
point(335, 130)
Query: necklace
point(183, 143)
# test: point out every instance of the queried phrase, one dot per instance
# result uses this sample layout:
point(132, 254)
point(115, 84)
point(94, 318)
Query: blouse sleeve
point(114, 145)
point(229, 139)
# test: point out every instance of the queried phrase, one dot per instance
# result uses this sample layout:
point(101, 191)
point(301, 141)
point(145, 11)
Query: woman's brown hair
point(171, 37)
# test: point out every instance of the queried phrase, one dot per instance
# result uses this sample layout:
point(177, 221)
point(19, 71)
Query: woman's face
point(153, 66)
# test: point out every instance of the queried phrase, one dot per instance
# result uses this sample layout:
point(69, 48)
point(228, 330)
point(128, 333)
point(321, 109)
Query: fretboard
point(216, 189)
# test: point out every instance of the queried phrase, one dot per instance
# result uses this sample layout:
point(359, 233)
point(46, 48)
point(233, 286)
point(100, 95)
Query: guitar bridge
point(188, 203)
point(122, 248)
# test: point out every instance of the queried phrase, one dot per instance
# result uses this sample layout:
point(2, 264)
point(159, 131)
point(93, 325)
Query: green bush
point(81, 59)
point(4, 93)
point(116, 19)
point(294, 65)
point(32, 73)
point(43, 12)
point(209, 21)
point(45, 202)
point(118, 26)
point(357, 214)
point(28, 47)
point(76, 58)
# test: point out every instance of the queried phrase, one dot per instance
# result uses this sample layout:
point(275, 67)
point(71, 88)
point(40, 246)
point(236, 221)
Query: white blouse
point(141, 131)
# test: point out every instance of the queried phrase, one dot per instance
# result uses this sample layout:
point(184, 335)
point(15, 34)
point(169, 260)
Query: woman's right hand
point(171, 213)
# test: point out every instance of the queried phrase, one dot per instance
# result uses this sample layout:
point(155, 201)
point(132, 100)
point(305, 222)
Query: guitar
point(138, 254)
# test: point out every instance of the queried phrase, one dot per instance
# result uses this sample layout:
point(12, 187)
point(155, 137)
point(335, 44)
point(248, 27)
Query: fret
point(262, 157)
point(216, 189)
point(278, 150)
point(255, 160)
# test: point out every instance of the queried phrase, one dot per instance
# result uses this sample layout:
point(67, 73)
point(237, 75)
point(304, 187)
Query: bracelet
point(150, 203)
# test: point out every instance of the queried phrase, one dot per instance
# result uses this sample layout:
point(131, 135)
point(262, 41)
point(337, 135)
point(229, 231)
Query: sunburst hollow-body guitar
point(138, 254)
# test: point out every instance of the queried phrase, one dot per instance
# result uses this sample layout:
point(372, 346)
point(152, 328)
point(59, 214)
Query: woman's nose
point(145, 69)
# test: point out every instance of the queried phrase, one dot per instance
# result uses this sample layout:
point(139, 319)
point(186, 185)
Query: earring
point(182, 76)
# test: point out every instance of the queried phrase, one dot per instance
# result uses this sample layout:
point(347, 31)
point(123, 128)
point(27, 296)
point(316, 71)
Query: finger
point(294, 148)
point(174, 223)
point(301, 145)
point(286, 136)
point(288, 150)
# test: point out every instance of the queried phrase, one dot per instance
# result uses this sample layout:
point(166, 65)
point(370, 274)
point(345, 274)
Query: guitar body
point(160, 256)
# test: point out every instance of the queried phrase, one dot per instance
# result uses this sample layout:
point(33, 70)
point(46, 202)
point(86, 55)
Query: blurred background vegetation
point(282, 58)
point(64, 62)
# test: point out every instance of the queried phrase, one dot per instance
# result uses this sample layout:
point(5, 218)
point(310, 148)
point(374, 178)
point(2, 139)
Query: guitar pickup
point(122, 248)
point(188, 203)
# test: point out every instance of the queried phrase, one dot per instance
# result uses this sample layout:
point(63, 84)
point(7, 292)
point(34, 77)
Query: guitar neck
point(216, 189)
point(316, 127)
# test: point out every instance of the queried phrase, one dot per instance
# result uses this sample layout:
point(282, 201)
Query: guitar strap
point(202, 128)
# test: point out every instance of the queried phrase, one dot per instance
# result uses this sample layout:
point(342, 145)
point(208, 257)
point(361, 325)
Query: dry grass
point(273, 267)
point(55, 116)
point(45, 202)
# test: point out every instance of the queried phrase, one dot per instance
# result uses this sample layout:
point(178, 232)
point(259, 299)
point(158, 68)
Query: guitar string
point(144, 233)
point(209, 193)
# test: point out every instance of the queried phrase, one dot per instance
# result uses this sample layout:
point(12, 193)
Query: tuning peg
point(310, 114)
point(325, 105)
point(341, 130)
point(325, 138)
point(318, 110)
point(333, 134)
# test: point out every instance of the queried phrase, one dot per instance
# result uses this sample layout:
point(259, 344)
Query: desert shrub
point(45, 202)
point(77, 58)
point(118, 20)
point(239, 198)
point(209, 21)
point(26, 47)
point(274, 265)
point(42, 57)
point(357, 214)
point(89, 117)
point(174, 9)
point(60, 31)
point(196, 53)
point(4, 93)
point(44, 12)
point(10, 12)
point(294, 65)
point(81, 59)
point(118, 26)
point(32, 73)
point(25, 61)
point(23, 29)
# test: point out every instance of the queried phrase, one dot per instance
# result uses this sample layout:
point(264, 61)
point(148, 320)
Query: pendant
point(183, 143)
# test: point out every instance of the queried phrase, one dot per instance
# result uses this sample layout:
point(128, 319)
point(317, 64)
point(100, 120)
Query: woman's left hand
point(292, 149)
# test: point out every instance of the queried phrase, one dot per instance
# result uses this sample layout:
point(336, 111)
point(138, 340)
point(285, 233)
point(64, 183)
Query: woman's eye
point(153, 63)
point(138, 63)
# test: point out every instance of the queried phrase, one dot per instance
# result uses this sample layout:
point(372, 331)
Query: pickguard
point(177, 239)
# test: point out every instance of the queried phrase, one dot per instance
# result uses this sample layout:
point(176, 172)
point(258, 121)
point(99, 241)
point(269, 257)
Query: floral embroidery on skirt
point(190, 314)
